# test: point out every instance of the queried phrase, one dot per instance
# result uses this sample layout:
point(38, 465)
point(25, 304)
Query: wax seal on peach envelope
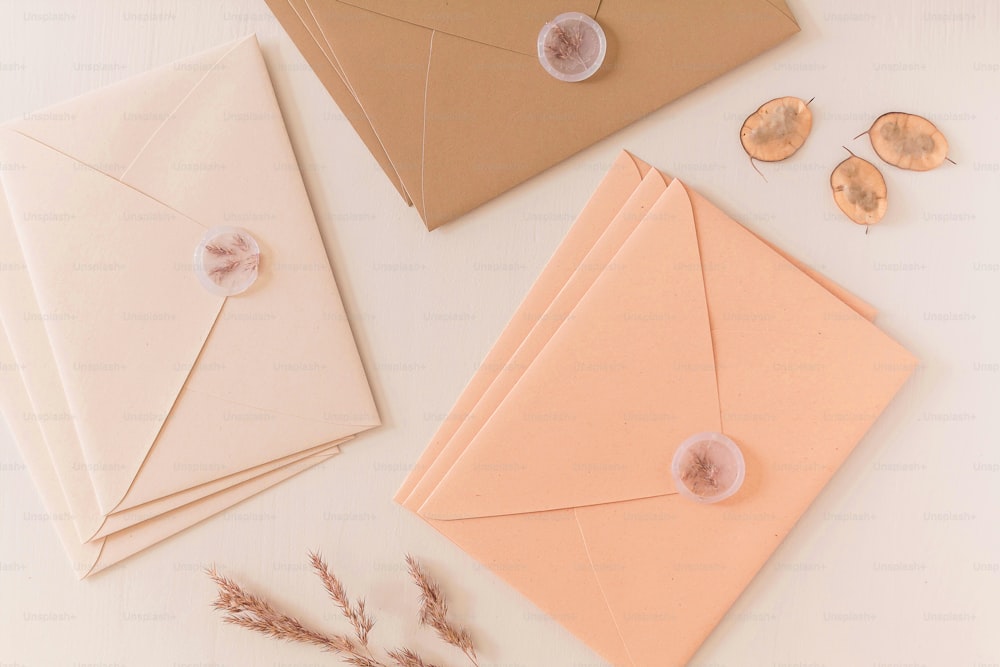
point(572, 46)
point(227, 260)
point(708, 467)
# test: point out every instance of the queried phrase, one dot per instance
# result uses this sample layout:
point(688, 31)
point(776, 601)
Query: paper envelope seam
point(336, 61)
point(184, 99)
point(447, 430)
point(173, 404)
point(97, 559)
point(361, 104)
point(31, 393)
point(708, 313)
point(6, 402)
point(446, 32)
point(600, 587)
point(423, 136)
point(127, 518)
point(784, 12)
point(343, 75)
point(297, 25)
point(106, 175)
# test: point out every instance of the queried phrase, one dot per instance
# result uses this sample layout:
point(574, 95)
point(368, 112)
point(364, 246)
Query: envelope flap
point(124, 321)
point(657, 52)
point(224, 158)
point(782, 7)
point(123, 115)
point(598, 414)
point(508, 24)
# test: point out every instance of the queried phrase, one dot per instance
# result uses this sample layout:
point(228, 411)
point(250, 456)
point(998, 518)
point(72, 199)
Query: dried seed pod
point(776, 130)
point(908, 141)
point(859, 190)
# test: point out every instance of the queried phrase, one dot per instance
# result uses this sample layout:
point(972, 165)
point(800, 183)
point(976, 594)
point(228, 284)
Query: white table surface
point(896, 563)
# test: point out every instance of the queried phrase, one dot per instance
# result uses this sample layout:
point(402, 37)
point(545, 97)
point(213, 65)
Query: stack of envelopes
point(657, 318)
point(450, 98)
point(142, 402)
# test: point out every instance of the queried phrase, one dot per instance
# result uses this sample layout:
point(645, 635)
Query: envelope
point(658, 317)
point(159, 402)
point(451, 100)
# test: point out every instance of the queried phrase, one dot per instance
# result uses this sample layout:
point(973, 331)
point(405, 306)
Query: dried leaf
point(859, 190)
point(776, 130)
point(908, 141)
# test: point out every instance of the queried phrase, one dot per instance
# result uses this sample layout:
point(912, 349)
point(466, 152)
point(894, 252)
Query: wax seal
point(226, 260)
point(572, 46)
point(708, 467)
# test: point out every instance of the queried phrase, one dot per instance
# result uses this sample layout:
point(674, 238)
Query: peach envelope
point(658, 317)
point(158, 402)
point(450, 98)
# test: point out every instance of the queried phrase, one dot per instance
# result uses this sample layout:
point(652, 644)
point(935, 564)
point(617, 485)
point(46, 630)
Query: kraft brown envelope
point(451, 100)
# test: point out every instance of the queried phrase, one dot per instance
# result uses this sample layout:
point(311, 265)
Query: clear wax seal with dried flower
point(572, 46)
point(708, 467)
point(227, 260)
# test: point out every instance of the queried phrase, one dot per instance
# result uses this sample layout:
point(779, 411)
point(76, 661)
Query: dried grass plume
point(248, 610)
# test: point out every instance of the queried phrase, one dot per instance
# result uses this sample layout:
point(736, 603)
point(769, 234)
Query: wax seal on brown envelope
point(449, 95)
point(572, 46)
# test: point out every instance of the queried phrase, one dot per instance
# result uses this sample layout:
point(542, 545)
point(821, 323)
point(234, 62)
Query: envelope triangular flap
point(385, 63)
point(541, 321)
point(611, 195)
point(290, 327)
point(508, 24)
point(125, 114)
point(119, 315)
point(209, 438)
point(627, 377)
point(15, 405)
point(29, 342)
point(546, 558)
point(659, 51)
point(300, 24)
point(130, 541)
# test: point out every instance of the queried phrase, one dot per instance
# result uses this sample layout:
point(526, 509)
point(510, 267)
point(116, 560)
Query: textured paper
point(658, 317)
point(451, 100)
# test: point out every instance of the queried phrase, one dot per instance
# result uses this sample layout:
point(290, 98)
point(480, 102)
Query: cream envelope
point(170, 394)
point(88, 558)
point(451, 100)
point(657, 318)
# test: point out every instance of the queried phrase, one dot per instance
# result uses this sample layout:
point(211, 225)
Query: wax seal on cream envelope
point(572, 46)
point(227, 260)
